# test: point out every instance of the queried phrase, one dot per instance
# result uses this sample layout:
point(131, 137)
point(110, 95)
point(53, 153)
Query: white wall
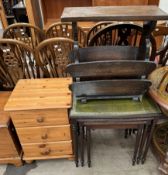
point(164, 5)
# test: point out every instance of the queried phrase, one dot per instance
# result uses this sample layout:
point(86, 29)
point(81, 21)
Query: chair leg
point(142, 143)
point(82, 143)
point(88, 135)
point(75, 141)
point(153, 123)
point(137, 144)
point(126, 133)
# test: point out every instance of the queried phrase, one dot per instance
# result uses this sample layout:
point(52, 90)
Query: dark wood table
point(148, 14)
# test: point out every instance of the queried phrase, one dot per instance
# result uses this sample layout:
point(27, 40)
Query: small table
point(149, 14)
point(39, 111)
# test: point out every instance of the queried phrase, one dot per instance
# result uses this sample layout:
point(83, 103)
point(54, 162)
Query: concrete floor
point(111, 155)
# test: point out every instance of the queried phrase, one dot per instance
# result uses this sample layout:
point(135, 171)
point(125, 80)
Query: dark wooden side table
point(148, 14)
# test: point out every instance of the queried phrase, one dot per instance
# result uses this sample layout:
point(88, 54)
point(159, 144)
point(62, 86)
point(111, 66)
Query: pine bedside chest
point(39, 111)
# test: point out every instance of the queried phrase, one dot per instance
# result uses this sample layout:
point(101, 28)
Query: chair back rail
point(17, 61)
point(97, 27)
point(27, 33)
point(102, 53)
point(118, 34)
point(110, 88)
point(119, 68)
point(64, 29)
point(124, 34)
point(53, 56)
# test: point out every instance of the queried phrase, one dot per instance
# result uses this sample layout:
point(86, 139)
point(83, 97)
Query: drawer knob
point(46, 152)
point(42, 146)
point(44, 137)
point(40, 119)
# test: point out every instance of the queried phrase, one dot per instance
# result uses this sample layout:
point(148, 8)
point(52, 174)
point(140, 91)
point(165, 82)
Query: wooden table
point(148, 14)
point(39, 111)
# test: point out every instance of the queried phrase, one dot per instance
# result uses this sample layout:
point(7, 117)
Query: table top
point(32, 94)
point(113, 13)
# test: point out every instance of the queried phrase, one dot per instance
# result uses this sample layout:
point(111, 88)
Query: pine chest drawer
point(37, 118)
point(48, 150)
point(44, 134)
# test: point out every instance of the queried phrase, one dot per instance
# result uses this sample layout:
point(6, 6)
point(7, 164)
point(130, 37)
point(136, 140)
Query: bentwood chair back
point(124, 34)
point(117, 34)
point(25, 32)
point(98, 26)
point(64, 29)
point(17, 61)
point(53, 56)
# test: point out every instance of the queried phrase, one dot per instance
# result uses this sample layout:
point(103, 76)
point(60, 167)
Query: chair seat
point(114, 108)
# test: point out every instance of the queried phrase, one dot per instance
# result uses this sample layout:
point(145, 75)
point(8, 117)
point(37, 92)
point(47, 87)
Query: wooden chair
point(17, 61)
point(64, 29)
point(27, 33)
point(161, 36)
point(159, 93)
point(123, 34)
point(53, 56)
point(98, 26)
point(117, 34)
point(116, 101)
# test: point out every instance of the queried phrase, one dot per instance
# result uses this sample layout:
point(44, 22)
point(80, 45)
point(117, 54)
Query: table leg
point(126, 133)
point(76, 47)
point(75, 141)
point(148, 28)
point(82, 143)
point(144, 135)
point(88, 136)
point(138, 137)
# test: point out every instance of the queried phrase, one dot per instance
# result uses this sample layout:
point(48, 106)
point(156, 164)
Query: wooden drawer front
point(50, 149)
point(40, 118)
point(44, 134)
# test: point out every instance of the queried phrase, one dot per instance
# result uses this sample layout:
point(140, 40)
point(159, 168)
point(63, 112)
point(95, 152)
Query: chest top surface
point(113, 13)
point(34, 94)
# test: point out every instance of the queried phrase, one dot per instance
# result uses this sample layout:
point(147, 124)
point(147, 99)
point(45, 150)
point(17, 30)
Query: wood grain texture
point(44, 134)
point(110, 88)
point(4, 116)
point(119, 3)
point(40, 94)
point(7, 146)
point(37, 118)
point(9, 149)
point(113, 13)
point(47, 150)
point(100, 53)
point(111, 68)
